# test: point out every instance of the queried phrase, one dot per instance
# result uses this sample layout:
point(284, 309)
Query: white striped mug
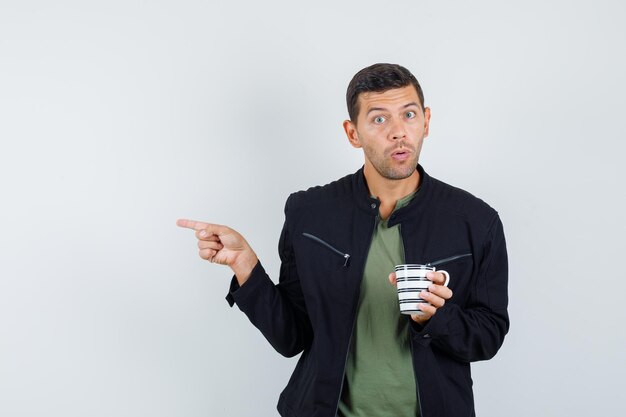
point(411, 280)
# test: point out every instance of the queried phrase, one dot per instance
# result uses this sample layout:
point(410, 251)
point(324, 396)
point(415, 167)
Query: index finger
point(191, 224)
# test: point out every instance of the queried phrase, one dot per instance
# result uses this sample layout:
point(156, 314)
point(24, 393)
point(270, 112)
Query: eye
point(379, 120)
point(410, 114)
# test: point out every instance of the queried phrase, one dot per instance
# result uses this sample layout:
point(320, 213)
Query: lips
point(401, 154)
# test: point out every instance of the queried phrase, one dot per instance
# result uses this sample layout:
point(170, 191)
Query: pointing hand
point(224, 246)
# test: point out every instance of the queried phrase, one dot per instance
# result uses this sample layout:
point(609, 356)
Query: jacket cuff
point(238, 294)
point(434, 328)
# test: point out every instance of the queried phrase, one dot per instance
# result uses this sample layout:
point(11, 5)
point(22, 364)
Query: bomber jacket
point(323, 247)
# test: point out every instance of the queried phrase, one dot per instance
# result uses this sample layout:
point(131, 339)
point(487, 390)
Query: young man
point(339, 244)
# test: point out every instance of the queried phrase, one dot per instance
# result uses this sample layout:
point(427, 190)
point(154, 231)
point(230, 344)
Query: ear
point(351, 133)
point(426, 120)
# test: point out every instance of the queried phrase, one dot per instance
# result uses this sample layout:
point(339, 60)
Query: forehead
point(390, 99)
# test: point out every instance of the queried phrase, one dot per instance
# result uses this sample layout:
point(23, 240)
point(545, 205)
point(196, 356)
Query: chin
point(398, 174)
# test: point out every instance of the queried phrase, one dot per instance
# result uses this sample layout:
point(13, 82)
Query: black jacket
point(323, 248)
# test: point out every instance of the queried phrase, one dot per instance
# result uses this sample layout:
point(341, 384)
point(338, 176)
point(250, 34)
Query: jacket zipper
point(449, 259)
point(329, 246)
point(345, 362)
point(417, 385)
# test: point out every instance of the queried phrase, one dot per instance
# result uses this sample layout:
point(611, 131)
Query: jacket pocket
point(448, 259)
point(327, 245)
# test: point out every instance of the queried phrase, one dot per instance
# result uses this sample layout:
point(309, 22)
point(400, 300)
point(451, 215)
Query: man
point(340, 242)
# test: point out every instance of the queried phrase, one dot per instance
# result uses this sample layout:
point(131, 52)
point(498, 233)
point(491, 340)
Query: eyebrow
point(413, 103)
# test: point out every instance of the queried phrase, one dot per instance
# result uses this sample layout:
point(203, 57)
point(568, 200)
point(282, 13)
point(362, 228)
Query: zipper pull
point(329, 246)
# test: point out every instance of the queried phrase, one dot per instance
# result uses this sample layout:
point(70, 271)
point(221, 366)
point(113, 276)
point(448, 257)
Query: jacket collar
point(370, 204)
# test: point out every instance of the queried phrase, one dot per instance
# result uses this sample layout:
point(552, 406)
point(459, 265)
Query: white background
point(118, 117)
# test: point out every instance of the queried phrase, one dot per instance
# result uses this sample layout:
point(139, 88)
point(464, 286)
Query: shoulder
point(341, 189)
point(458, 202)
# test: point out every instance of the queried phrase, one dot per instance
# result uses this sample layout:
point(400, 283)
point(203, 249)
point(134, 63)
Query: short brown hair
point(379, 78)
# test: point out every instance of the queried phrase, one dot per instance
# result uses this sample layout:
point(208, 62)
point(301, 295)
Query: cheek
point(371, 129)
point(418, 130)
point(371, 134)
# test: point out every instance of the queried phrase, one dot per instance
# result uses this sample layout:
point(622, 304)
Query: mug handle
point(445, 284)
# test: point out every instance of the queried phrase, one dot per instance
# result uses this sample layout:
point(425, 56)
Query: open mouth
point(401, 155)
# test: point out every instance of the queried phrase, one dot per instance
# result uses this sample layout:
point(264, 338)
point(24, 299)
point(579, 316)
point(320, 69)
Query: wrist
point(421, 320)
point(243, 267)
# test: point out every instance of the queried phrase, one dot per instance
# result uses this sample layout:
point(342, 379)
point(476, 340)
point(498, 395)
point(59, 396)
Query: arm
point(278, 311)
point(477, 331)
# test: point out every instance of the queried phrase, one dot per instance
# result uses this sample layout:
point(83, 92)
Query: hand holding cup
point(421, 290)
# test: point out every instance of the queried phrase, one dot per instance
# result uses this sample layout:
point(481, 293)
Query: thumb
point(392, 279)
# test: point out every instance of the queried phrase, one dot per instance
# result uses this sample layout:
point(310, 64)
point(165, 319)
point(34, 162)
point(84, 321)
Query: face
point(390, 128)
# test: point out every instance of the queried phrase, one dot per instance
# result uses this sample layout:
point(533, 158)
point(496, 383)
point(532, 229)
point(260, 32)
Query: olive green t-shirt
point(379, 379)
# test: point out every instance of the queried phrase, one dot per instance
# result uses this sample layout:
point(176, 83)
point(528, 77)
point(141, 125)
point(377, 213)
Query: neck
point(389, 191)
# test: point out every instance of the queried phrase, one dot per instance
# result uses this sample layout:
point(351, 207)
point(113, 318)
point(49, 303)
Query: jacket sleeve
point(278, 311)
point(477, 331)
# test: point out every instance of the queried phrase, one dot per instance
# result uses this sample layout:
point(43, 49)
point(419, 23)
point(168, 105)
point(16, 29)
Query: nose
point(397, 131)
